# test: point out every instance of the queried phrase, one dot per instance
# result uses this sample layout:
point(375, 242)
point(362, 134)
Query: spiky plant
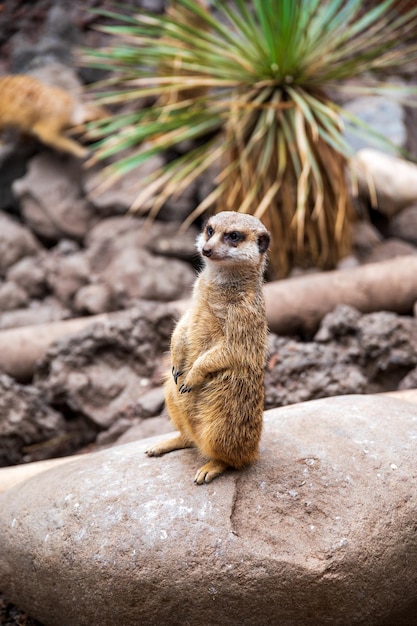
point(252, 81)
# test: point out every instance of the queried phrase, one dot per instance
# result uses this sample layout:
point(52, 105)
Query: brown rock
point(321, 530)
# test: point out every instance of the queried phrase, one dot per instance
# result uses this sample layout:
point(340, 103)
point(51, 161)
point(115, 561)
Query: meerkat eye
point(234, 237)
point(209, 231)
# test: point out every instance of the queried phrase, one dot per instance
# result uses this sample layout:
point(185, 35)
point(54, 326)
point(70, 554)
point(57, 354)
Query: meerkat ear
point(263, 242)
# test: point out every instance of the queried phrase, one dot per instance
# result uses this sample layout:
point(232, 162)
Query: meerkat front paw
point(209, 472)
point(185, 389)
point(176, 373)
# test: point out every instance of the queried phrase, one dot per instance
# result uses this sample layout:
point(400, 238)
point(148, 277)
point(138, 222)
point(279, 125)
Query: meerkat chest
point(205, 329)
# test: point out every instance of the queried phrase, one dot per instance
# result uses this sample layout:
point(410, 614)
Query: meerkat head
point(231, 238)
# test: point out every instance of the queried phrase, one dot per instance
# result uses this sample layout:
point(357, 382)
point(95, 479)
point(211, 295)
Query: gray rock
point(119, 257)
point(404, 225)
point(149, 427)
point(389, 249)
point(66, 274)
point(102, 370)
point(393, 180)
point(135, 274)
point(409, 381)
point(382, 116)
point(151, 402)
point(29, 429)
point(38, 312)
point(364, 238)
point(320, 530)
point(175, 244)
point(126, 430)
point(162, 238)
point(12, 296)
point(299, 371)
point(16, 242)
point(30, 275)
point(57, 74)
point(351, 353)
point(119, 197)
point(51, 198)
point(93, 299)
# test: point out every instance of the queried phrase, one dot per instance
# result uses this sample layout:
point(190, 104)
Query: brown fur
point(215, 395)
point(43, 111)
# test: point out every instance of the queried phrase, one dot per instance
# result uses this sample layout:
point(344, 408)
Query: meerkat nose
point(207, 251)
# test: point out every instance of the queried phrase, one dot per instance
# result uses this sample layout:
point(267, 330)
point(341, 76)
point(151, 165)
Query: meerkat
point(215, 391)
point(46, 112)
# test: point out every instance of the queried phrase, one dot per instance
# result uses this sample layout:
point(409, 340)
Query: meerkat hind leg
point(210, 471)
point(169, 445)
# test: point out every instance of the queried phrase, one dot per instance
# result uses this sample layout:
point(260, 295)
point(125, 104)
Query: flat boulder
point(321, 530)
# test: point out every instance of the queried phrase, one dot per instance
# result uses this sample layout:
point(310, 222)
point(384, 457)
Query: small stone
point(12, 296)
point(93, 299)
point(30, 275)
point(151, 402)
point(16, 242)
point(389, 249)
point(404, 225)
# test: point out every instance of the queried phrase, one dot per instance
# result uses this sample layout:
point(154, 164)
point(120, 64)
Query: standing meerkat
point(215, 395)
point(43, 111)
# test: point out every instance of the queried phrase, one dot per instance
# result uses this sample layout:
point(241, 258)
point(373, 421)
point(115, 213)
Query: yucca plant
point(254, 83)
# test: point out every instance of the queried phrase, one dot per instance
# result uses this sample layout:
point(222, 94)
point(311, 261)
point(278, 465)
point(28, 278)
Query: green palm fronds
point(251, 83)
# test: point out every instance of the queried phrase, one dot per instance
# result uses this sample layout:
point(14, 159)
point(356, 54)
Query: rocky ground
point(67, 250)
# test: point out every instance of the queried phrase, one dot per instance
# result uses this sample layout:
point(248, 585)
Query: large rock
point(351, 353)
point(30, 430)
point(102, 370)
point(321, 530)
point(392, 180)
